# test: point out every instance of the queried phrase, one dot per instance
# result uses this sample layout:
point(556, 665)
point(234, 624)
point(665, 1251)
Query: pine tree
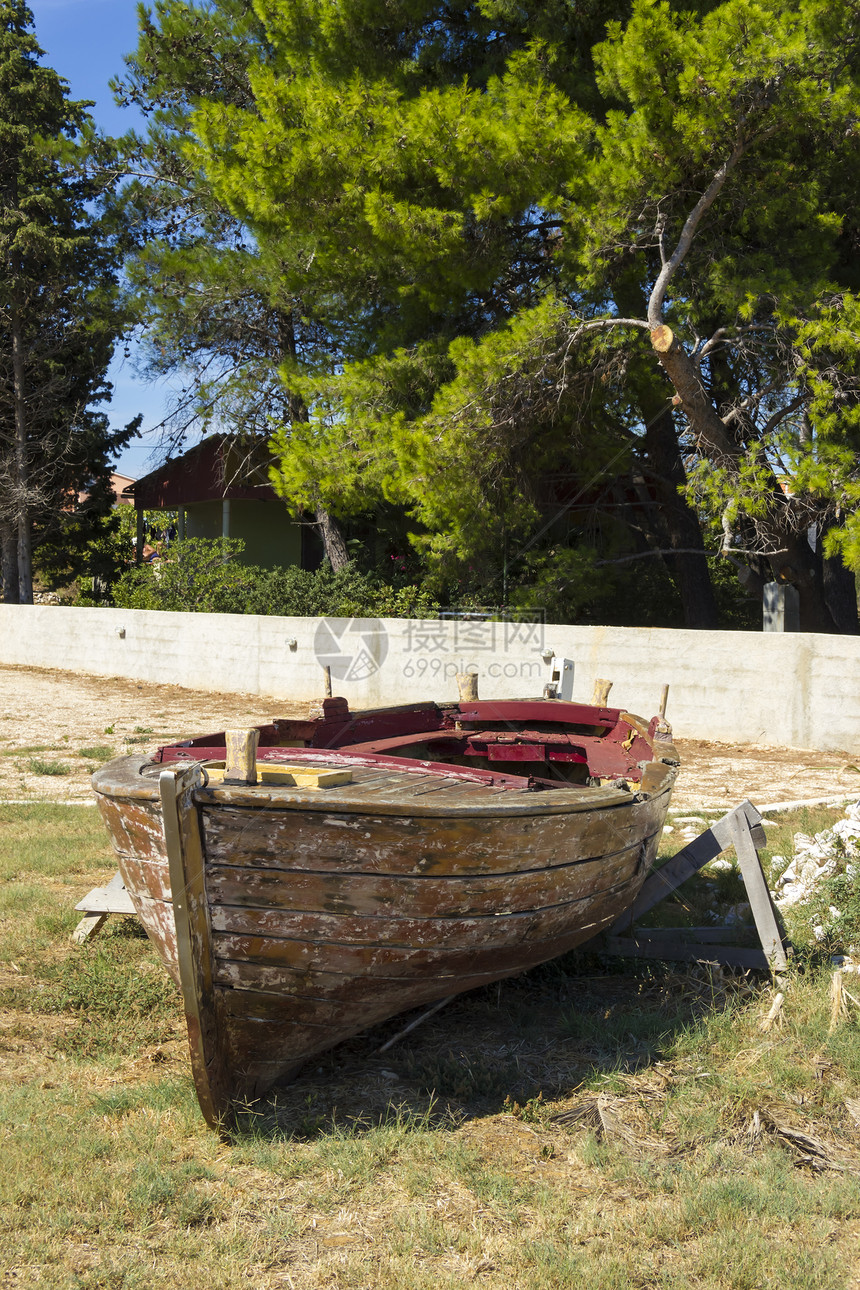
point(538, 241)
point(214, 312)
point(60, 309)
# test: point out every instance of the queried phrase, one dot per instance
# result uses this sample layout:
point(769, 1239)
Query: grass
point(38, 766)
point(588, 1123)
point(98, 753)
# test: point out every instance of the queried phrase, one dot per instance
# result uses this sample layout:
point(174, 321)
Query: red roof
point(217, 468)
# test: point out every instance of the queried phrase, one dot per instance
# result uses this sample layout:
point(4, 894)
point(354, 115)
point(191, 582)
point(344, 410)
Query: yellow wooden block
point(302, 776)
point(291, 776)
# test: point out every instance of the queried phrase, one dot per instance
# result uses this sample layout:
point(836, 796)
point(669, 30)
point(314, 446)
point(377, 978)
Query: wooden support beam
point(184, 846)
point(240, 765)
point(740, 828)
point(467, 686)
point(761, 903)
point(640, 946)
point(706, 847)
point(600, 694)
point(98, 905)
point(90, 925)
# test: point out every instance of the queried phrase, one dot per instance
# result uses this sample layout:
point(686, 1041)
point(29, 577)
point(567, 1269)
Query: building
point(221, 488)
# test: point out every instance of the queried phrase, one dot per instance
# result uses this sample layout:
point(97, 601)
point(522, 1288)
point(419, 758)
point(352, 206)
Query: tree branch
point(688, 232)
point(672, 550)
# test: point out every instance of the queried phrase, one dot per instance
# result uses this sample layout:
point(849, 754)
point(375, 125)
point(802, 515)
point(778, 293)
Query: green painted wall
point(272, 539)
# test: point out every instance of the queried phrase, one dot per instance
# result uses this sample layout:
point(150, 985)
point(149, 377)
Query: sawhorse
point(742, 829)
point(99, 905)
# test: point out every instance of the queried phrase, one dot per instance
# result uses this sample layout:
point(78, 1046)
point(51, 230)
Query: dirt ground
point(56, 719)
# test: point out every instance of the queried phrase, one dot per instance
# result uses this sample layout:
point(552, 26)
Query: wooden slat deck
point(382, 789)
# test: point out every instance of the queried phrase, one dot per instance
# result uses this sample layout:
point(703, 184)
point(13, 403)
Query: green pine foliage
point(61, 309)
point(474, 214)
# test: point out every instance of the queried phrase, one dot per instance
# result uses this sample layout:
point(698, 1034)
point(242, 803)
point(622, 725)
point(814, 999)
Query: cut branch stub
point(662, 338)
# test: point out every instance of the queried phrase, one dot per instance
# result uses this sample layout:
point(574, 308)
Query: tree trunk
point(708, 430)
point(9, 563)
point(25, 547)
point(838, 585)
point(334, 543)
point(680, 525)
point(840, 593)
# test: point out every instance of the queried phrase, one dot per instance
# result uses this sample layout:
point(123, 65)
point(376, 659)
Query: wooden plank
point(331, 972)
point(689, 935)
point(185, 855)
point(364, 778)
point(240, 756)
point(352, 1005)
point(441, 786)
point(629, 947)
point(764, 914)
point(256, 1050)
point(358, 1002)
point(88, 927)
point(687, 862)
point(147, 877)
point(361, 893)
point(134, 826)
point(260, 934)
point(292, 776)
point(437, 845)
point(111, 899)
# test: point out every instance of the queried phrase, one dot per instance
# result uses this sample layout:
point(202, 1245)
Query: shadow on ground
point(510, 1046)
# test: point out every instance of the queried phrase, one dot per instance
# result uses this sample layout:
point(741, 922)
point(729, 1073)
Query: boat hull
point(304, 918)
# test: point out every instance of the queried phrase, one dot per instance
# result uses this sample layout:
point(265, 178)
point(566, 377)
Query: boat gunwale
point(124, 779)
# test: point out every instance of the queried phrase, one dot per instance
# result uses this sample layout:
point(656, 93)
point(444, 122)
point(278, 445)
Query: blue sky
point(85, 40)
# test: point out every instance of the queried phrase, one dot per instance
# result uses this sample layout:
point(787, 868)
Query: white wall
point(797, 689)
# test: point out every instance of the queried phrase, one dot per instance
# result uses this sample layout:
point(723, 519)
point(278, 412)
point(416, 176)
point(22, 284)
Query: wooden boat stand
point(740, 828)
point(98, 905)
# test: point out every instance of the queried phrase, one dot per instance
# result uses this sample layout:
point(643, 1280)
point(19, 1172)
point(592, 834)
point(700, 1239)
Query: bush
point(197, 575)
point(204, 575)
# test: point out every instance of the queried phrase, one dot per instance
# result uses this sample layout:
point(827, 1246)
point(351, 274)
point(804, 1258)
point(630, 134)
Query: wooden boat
point(309, 879)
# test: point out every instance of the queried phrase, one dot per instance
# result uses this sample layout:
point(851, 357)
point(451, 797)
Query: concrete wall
point(797, 689)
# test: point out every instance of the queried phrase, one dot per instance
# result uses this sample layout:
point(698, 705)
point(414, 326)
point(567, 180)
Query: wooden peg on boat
point(600, 697)
point(467, 685)
point(336, 709)
point(664, 699)
point(241, 756)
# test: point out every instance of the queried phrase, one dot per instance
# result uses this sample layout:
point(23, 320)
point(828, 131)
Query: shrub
point(205, 575)
point(197, 574)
